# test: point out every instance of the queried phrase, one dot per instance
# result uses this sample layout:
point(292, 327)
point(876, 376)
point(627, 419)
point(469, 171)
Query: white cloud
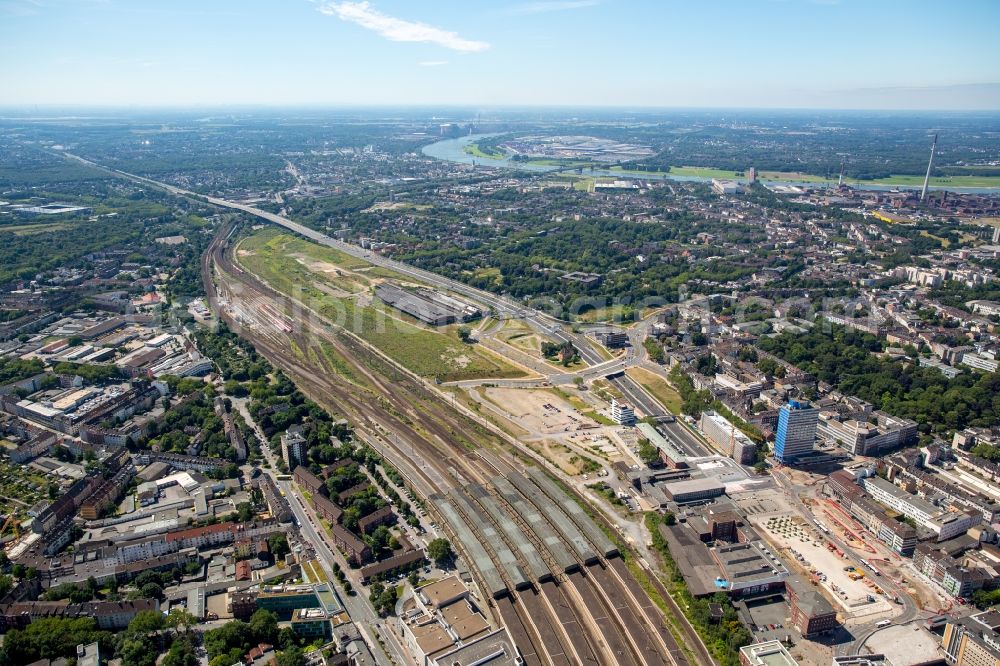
point(399, 30)
point(432, 63)
point(544, 6)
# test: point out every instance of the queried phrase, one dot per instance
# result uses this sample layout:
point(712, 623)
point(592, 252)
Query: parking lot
point(767, 618)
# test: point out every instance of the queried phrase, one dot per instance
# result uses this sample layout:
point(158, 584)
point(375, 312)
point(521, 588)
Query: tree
point(986, 598)
point(278, 544)
point(179, 618)
point(233, 656)
point(244, 512)
point(145, 623)
point(51, 638)
point(383, 598)
point(987, 451)
point(655, 350)
point(465, 334)
point(151, 591)
point(231, 637)
point(75, 593)
point(235, 388)
point(648, 453)
point(771, 368)
point(380, 538)
point(182, 652)
point(264, 626)
point(138, 651)
point(291, 657)
point(287, 638)
point(440, 551)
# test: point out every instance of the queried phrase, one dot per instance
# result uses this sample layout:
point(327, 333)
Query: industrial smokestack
point(930, 165)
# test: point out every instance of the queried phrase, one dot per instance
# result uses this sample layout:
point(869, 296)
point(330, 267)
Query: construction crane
point(10, 519)
point(930, 165)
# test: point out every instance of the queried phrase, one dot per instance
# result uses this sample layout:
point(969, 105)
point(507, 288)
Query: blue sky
point(666, 53)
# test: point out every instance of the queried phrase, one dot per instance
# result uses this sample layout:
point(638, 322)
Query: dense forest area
point(24, 256)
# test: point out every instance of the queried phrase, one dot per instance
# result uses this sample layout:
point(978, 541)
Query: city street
point(357, 606)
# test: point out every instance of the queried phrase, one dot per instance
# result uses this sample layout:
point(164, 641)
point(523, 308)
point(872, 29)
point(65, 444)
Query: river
point(453, 150)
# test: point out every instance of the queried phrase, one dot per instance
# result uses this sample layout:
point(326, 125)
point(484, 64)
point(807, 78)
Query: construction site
point(855, 591)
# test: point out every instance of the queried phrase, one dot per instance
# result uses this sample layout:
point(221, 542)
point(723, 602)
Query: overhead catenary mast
point(930, 165)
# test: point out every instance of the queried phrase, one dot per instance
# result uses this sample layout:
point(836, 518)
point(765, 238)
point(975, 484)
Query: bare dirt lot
point(564, 457)
point(539, 411)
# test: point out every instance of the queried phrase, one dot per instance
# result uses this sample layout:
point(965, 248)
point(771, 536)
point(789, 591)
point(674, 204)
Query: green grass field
point(971, 180)
point(611, 313)
point(694, 172)
point(432, 353)
point(593, 415)
point(943, 181)
point(474, 150)
point(28, 229)
point(659, 388)
point(492, 273)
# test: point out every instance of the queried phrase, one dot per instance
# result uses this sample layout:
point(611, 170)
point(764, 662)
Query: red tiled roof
point(199, 531)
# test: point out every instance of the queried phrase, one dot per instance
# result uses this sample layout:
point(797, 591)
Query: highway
point(686, 440)
point(503, 307)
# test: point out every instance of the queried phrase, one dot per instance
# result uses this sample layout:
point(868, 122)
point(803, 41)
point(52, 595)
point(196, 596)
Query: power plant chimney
point(840, 181)
point(930, 165)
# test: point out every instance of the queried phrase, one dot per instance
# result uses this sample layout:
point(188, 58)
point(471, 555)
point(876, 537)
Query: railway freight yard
point(537, 555)
point(544, 568)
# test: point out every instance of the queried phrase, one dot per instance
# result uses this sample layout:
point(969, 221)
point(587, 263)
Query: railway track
point(552, 583)
point(274, 344)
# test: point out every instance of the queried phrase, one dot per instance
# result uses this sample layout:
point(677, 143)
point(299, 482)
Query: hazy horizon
point(480, 108)
point(772, 54)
